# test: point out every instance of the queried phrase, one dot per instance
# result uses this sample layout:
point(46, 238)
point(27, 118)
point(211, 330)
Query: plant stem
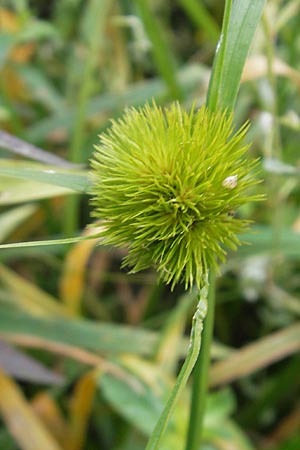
point(200, 375)
point(193, 352)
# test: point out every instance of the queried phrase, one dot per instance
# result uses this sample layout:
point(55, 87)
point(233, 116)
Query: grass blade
point(75, 180)
point(95, 336)
point(239, 25)
point(24, 425)
point(20, 147)
point(257, 355)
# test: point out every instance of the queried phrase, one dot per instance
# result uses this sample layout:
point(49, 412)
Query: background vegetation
point(88, 352)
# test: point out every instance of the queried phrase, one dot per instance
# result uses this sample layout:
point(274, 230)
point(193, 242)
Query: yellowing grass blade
point(81, 405)
point(256, 355)
point(73, 277)
point(49, 413)
point(24, 425)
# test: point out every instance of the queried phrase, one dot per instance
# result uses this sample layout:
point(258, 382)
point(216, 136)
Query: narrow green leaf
point(94, 336)
point(41, 243)
point(215, 85)
point(239, 26)
point(243, 23)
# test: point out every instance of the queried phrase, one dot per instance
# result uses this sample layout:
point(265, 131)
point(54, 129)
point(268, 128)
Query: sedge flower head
point(165, 185)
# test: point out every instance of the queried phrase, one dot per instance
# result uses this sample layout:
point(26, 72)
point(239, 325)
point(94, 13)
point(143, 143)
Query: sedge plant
point(166, 186)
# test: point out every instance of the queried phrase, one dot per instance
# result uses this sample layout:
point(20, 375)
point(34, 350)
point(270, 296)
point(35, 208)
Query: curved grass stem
point(200, 375)
point(193, 352)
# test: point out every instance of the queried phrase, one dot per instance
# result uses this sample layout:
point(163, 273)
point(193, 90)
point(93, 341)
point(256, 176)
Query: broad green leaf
point(90, 335)
point(75, 180)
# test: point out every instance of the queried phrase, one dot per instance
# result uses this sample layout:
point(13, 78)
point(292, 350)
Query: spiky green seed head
point(165, 183)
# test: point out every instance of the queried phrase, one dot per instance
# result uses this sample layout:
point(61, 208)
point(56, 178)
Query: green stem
point(193, 352)
point(200, 375)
